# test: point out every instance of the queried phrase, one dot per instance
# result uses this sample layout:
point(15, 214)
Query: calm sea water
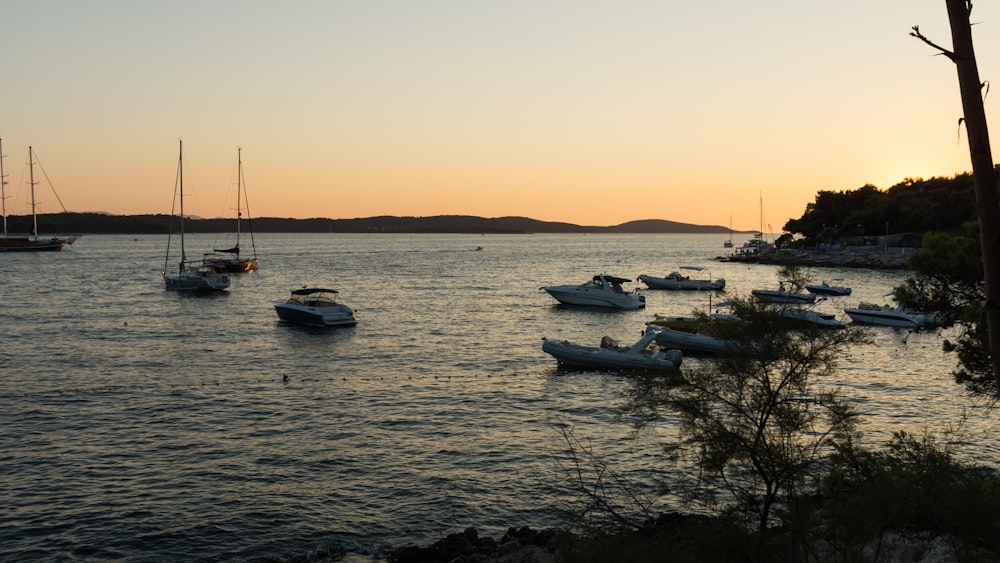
point(138, 424)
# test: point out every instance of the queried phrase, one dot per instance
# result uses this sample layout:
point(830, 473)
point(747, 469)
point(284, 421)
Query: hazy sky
point(586, 111)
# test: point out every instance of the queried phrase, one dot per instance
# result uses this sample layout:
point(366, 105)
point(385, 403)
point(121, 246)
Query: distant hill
point(101, 223)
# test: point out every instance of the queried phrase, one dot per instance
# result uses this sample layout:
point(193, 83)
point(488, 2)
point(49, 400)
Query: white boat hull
point(778, 296)
point(822, 289)
point(673, 282)
point(696, 343)
point(337, 315)
point(575, 295)
point(196, 280)
point(892, 317)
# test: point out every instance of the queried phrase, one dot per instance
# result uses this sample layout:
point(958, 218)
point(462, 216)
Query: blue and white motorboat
point(316, 307)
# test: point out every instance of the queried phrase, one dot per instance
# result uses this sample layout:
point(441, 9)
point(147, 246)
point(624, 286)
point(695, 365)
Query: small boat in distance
point(315, 306)
point(190, 277)
point(611, 355)
point(677, 280)
point(825, 288)
point(601, 291)
point(29, 242)
point(236, 263)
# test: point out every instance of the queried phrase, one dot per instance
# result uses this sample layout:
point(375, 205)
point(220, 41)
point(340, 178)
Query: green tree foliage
point(912, 485)
point(949, 280)
point(911, 206)
point(755, 426)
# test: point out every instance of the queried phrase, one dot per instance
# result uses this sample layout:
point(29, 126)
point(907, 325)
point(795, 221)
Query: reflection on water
point(140, 423)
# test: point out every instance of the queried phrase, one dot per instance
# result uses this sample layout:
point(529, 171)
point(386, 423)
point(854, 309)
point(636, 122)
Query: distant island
point(101, 223)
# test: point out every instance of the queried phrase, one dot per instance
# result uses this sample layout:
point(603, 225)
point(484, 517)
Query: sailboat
point(189, 276)
point(729, 243)
point(31, 242)
point(236, 263)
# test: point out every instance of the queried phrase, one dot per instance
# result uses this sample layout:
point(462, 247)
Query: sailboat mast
point(31, 181)
point(180, 176)
point(239, 189)
point(3, 192)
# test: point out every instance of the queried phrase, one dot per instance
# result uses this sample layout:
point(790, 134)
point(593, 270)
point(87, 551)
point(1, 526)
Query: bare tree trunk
point(983, 172)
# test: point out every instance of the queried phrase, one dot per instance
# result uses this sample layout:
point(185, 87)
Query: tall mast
point(31, 181)
point(3, 193)
point(180, 175)
point(239, 188)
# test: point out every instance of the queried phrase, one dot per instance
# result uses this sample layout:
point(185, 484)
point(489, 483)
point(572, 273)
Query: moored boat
point(781, 295)
point(190, 276)
point(235, 262)
point(601, 291)
point(692, 322)
point(885, 315)
point(315, 307)
point(611, 355)
point(699, 343)
point(824, 288)
point(677, 280)
point(29, 242)
point(804, 317)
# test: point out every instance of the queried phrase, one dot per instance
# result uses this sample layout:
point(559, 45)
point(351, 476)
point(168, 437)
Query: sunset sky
point(585, 111)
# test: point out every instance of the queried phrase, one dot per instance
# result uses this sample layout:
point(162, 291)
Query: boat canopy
point(311, 290)
point(611, 279)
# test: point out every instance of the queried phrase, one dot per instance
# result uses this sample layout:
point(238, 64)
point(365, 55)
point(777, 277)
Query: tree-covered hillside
point(911, 206)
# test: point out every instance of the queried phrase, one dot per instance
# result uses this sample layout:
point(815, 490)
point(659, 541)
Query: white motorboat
point(677, 280)
point(610, 355)
point(190, 276)
point(316, 307)
point(825, 288)
point(885, 315)
point(781, 295)
point(601, 291)
point(810, 317)
point(690, 323)
point(696, 343)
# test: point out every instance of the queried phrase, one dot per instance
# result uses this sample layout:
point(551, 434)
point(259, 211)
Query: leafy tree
point(913, 205)
point(912, 485)
point(755, 426)
point(794, 278)
point(949, 280)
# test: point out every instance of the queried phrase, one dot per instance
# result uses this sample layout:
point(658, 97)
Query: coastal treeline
point(914, 205)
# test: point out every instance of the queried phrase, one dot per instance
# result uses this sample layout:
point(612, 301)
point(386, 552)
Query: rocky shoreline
point(518, 545)
point(880, 258)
